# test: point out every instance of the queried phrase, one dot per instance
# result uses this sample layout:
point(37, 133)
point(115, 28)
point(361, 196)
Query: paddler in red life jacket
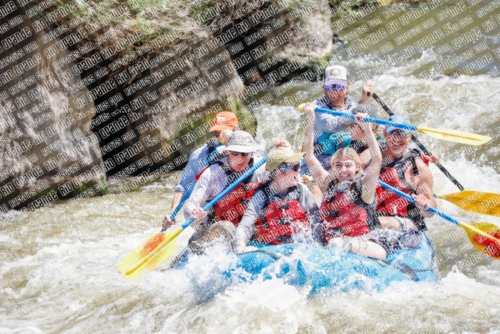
point(348, 205)
point(404, 169)
point(226, 214)
point(282, 210)
point(223, 125)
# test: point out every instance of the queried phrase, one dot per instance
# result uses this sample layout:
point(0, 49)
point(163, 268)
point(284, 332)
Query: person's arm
point(166, 220)
point(246, 227)
point(369, 181)
point(201, 192)
point(317, 171)
point(366, 93)
point(425, 195)
point(175, 201)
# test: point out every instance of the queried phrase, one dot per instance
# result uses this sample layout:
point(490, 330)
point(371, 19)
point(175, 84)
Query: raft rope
point(409, 271)
point(274, 256)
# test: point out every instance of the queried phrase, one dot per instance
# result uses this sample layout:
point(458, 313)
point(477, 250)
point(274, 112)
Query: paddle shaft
point(411, 199)
point(182, 201)
point(367, 119)
point(420, 145)
point(227, 190)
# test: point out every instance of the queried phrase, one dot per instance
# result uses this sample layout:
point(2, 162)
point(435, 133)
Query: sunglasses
point(294, 167)
point(334, 86)
point(399, 133)
point(216, 134)
point(238, 153)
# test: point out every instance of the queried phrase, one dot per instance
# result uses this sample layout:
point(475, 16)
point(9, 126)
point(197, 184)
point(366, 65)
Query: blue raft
point(318, 269)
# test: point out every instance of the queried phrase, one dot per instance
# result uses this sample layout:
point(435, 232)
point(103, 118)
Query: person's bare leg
point(367, 248)
point(390, 222)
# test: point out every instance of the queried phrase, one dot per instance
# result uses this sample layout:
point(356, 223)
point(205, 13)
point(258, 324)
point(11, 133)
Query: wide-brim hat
point(240, 141)
point(280, 155)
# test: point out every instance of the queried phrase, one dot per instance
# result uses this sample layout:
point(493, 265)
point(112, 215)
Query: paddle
point(476, 201)
point(420, 145)
point(449, 135)
point(158, 248)
point(484, 236)
point(184, 198)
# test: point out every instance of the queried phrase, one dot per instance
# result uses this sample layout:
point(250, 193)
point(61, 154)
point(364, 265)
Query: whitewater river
point(59, 264)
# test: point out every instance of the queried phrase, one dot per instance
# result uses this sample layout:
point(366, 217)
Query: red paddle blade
point(484, 237)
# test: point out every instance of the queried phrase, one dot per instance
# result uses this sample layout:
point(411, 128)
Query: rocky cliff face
point(113, 88)
point(46, 151)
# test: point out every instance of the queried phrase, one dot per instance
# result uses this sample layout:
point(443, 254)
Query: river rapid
point(59, 264)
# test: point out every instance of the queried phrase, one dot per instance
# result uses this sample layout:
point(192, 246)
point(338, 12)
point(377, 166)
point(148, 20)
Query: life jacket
point(345, 213)
point(232, 206)
point(391, 204)
point(329, 143)
point(281, 219)
point(213, 155)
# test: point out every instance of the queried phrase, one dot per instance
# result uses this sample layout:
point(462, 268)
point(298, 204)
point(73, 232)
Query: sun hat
point(336, 74)
point(401, 119)
point(239, 141)
point(225, 120)
point(281, 153)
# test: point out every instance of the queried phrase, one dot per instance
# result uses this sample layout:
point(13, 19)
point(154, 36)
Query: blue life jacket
point(332, 142)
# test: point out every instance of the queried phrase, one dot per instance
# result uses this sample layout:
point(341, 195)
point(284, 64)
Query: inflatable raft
point(317, 269)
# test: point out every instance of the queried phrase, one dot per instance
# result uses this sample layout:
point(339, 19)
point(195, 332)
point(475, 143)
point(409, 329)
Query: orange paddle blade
point(149, 255)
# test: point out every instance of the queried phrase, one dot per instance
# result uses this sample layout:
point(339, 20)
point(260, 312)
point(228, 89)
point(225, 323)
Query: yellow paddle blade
point(455, 136)
point(149, 255)
point(485, 237)
point(476, 201)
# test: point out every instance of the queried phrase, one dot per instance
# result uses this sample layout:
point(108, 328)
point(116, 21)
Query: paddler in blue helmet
point(403, 168)
point(282, 210)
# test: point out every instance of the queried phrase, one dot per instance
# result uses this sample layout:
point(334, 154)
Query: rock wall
point(115, 88)
point(46, 151)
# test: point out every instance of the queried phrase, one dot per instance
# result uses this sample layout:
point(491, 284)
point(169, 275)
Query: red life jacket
point(345, 213)
point(232, 206)
point(280, 220)
point(390, 204)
